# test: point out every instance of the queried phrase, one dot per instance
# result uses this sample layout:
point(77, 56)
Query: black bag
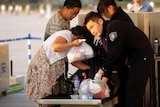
point(64, 87)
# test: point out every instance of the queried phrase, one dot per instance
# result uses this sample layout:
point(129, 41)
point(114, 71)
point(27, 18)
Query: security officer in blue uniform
point(122, 39)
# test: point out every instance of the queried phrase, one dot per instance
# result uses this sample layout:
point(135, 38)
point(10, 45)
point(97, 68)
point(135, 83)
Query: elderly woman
point(48, 64)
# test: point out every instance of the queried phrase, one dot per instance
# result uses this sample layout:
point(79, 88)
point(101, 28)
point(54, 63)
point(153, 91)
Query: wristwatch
point(106, 74)
point(103, 68)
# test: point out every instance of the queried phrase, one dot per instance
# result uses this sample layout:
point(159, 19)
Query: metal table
point(106, 102)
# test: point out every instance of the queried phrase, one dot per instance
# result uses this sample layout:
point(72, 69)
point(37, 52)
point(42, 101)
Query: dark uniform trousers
point(135, 86)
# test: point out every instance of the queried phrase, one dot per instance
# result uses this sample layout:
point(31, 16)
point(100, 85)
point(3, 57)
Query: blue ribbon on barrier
point(23, 38)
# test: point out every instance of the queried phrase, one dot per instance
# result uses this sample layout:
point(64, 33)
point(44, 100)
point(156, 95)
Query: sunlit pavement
point(16, 100)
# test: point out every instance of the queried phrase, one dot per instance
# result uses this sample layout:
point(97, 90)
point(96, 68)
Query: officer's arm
point(115, 43)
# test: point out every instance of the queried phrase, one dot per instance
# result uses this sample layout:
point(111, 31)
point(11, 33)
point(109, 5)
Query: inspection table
point(106, 102)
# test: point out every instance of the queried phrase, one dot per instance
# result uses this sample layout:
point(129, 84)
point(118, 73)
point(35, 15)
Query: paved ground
point(16, 100)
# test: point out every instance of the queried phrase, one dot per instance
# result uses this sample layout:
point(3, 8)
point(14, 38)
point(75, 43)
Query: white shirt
point(54, 56)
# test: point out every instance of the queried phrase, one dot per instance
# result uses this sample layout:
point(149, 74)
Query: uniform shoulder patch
point(113, 36)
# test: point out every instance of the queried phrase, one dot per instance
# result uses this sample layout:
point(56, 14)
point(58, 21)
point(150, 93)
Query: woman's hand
point(76, 42)
point(80, 65)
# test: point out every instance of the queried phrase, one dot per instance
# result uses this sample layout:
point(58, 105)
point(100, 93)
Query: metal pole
point(11, 68)
point(29, 48)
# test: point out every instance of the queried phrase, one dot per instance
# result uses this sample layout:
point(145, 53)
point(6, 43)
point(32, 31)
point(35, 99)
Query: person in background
point(48, 10)
point(41, 9)
point(48, 64)
point(139, 6)
point(110, 10)
point(123, 39)
point(61, 19)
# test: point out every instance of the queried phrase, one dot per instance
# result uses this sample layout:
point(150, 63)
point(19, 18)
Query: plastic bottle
point(76, 84)
point(155, 47)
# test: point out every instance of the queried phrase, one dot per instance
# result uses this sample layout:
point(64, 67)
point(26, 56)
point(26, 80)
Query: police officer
point(124, 40)
point(109, 9)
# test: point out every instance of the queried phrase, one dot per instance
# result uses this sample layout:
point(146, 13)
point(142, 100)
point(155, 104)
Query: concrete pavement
point(16, 100)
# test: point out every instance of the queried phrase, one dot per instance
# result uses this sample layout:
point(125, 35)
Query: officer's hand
point(100, 74)
point(104, 79)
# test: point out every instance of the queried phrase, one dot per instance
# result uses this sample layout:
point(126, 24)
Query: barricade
point(28, 38)
point(13, 80)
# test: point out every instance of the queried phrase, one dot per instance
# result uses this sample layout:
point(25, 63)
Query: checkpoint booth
point(148, 22)
point(4, 68)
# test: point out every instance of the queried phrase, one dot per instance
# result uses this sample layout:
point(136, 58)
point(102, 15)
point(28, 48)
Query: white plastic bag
point(97, 88)
point(80, 53)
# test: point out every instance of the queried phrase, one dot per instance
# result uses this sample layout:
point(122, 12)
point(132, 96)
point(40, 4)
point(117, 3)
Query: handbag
point(64, 87)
